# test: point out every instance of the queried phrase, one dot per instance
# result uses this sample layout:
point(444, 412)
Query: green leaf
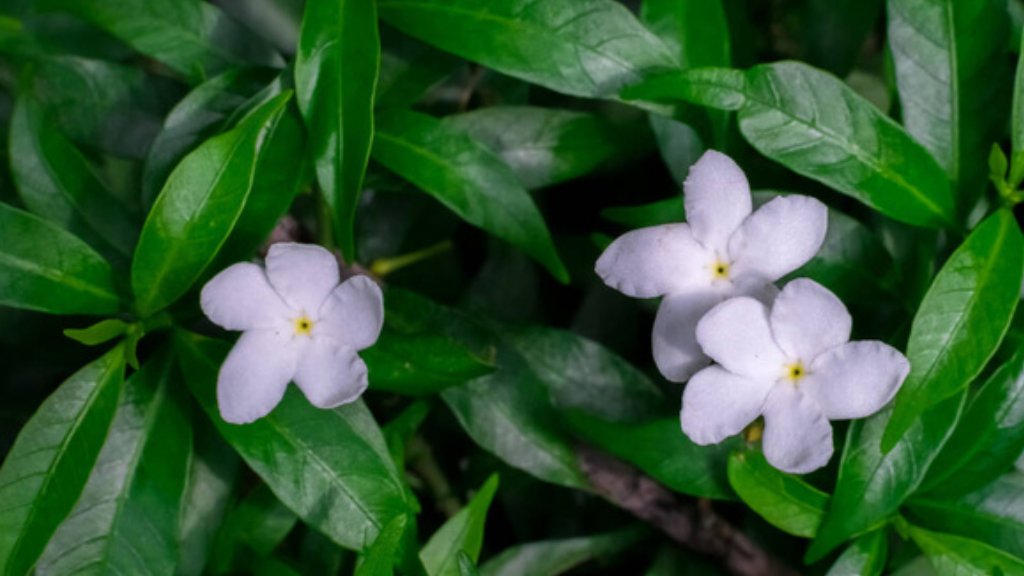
point(197, 209)
point(464, 532)
point(408, 69)
point(962, 556)
point(194, 38)
point(256, 525)
point(421, 364)
point(400, 430)
point(662, 451)
point(554, 557)
point(866, 556)
point(993, 515)
point(679, 145)
point(384, 551)
point(785, 501)
point(812, 123)
point(57, 183)
point(49, 464)
point(335, 78)
point(330, 467)
point(1017, 123)
point(98, 333)
point(466, 567)
point(213, 472)
point(45, 268)
point(962, 320)
point(465, 177)
point(873, 484)
point(665, 211)
point(833, 32)
point(988, 438)
point(546, 146)
point(128, 516)
point(950, 66)
point(588, 48)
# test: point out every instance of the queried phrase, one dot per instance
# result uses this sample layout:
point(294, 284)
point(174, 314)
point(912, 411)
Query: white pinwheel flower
point(723, 250)
point(298, 324)
point(793, 363)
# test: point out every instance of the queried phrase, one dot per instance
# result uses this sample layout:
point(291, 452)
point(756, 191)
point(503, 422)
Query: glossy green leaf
point(554, 557)
point(57, 183)
point(873, 484)
point(49, 464)
point(383, 552)
point(587, 48)
point(545, 146)
point(866, 556)
point(465, 177)
point(662, 451)
point(213, 473)
point(408, 69)
point(785, 501)
point(335, 78)
point(330, 467)
point(988, 438)
point(466, 566)
point(45, 268)
point(421, 364)
point(950, 74)
point(951, 555)
point(197, 209)
point(812, 123)
point(463, 532)
point(257, 524)
point(1017, 123)
point(962, 320)
point(128, 516)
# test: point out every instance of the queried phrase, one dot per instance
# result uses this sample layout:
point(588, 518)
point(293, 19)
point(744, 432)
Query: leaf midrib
point(55, 275)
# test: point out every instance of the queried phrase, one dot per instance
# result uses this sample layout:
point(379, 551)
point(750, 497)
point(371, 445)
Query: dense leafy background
point(475, 156)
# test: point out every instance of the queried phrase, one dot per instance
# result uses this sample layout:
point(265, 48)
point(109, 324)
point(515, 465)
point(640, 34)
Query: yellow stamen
point(303, 326)
point(795, 371)
point(720, 270)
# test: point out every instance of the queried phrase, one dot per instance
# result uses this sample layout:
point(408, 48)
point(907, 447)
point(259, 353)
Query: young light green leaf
point(962, 319)
point(545, 146)
point(331, 467)
point(49, 464)
point(873, 484)
point(465, 177)
point(44, 267)
point(988, 439)
point(815, 125)
point(785, 501)
point(57, 183)
point(98, 333)
point(335, 78)
point(950, 74)
point(383, 552)
point(588, 48)
point(127, 518)
point(197, 209)
point(957, 555)
point(554, 557)
point(866, 556)
point(464, 532)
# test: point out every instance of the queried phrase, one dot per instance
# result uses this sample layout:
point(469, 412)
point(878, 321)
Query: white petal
point(353, 313)
point(797, 436)
point(674, 339)
point(330, 375)
point(735, 334)
point(807, 319)
point(255, 374)
point(240, 298)
point(717, 199)
point(655, 261)
point(779, 237)
point(856, 379)
point(303, 274)
point(718, 404)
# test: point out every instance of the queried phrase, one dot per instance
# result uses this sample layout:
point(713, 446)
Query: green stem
point(384, 266)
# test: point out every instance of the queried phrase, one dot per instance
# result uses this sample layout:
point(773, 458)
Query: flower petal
point(856, 379)
point(718, 404)
point(331, 375)
point(255, 374)
point(303, 274)
point(674, 339)
point(735, 334)
point(808, 319)
point(797, 436)
point(655, 261)
point(717, 199)
point(240, 298)
point(779, 237)
point(353, 314)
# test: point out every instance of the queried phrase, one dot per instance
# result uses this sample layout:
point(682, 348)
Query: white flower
point(795, 365)
point(299, 324)
point(722, 251)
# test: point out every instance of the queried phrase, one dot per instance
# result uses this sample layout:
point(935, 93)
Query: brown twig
point(694, 524)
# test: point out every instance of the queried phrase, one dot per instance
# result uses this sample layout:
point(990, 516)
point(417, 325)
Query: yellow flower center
point(303, 326)
point(720, 270)
point(795, 372)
